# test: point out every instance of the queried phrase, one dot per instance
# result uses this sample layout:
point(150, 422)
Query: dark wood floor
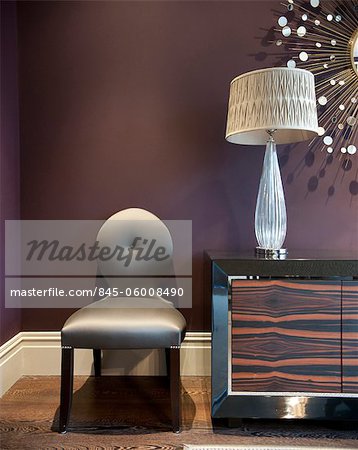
point(134, 413)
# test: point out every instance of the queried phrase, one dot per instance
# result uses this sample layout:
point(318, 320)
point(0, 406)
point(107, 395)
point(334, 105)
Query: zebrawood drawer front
point(286, 336)
point(350, 336)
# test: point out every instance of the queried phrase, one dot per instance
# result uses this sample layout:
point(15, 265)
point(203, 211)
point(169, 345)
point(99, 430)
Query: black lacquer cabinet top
point(297, 263)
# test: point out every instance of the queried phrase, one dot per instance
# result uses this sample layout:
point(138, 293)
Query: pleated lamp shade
point(279, 99)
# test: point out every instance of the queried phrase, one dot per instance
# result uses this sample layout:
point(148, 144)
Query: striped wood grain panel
point(286, 335)
point(350, 336)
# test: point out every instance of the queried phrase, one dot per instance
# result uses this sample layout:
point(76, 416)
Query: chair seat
point(125, 322)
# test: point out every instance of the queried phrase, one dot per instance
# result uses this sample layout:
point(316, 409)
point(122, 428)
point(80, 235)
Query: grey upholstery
point(122, 229)
point(114, 323)
point(128, 322)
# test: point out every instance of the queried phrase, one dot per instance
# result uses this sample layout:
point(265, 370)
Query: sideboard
point(284, 336)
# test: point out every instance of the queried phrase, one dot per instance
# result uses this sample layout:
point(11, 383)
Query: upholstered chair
point(126, 322)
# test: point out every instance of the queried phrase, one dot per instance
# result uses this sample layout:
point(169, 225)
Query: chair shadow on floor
point(123, 404)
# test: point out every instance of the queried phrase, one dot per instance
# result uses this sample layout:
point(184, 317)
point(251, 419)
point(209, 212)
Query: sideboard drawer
point(286, 335)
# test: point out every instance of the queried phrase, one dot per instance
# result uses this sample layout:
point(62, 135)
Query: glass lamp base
point(270, 213)
point(271, 253)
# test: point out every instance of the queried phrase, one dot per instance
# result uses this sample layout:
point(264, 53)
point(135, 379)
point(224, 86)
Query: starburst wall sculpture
point(322, 36)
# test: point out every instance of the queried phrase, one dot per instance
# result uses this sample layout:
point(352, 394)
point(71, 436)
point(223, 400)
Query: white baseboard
point(11, 363)
point(39, 353)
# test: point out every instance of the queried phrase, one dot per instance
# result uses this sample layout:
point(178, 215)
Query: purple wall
point(10, 319)
point(124, 104)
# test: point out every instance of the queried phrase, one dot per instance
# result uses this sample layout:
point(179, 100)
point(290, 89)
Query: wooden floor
point(134, 413)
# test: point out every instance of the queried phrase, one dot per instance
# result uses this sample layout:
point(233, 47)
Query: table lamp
point(271, 106)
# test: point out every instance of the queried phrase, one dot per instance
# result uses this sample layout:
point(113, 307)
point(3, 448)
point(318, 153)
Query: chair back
point(139, 244)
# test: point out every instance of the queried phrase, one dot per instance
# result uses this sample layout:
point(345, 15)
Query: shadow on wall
point(330, 173)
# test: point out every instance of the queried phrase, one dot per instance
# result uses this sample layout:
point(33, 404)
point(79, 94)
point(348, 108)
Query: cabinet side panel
point(350, 336)
point(286, 336)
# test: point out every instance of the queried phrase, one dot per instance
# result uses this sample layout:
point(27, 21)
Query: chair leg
point(175, 388)
point(66, 387)
point(97, 354)
point(167, 361)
